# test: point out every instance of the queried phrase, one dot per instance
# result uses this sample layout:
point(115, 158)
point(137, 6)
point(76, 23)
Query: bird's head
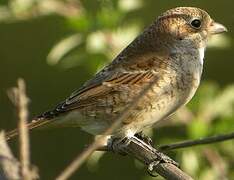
point(187, 26)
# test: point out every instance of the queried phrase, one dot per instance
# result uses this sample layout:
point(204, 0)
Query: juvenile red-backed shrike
point(171, 49)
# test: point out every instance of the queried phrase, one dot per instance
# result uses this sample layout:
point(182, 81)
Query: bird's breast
point(188, 75)
point(176, 87)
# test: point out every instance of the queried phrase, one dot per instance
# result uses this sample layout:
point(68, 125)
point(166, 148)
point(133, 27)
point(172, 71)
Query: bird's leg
point(119, 144)
point(144, 138)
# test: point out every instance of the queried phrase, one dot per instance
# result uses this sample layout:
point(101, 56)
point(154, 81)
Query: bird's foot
point(118, 145)
point(166, 159)
point(144, 138)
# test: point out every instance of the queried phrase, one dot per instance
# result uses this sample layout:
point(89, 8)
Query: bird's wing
point(105, 83)
point(90, 95)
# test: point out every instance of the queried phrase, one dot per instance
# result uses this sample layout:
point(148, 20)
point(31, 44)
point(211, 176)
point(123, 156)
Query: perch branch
point(152, 158)
point(167, 170)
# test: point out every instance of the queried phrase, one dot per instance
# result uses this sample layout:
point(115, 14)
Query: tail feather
point(32, 125)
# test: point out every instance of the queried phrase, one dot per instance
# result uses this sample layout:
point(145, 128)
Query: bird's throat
point(201, 54)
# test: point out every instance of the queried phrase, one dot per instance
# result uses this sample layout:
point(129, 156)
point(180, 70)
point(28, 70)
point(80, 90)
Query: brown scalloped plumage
point(169, 49)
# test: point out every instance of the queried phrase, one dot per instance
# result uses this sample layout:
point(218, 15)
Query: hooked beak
point(216, 28)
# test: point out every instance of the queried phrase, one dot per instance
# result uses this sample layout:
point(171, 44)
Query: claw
point(167, 159)
point(162, 158)
point(150, 168)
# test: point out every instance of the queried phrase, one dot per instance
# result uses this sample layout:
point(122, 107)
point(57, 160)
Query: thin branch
point(20, 100)
point(80, 159)
point(9, 166)
point(23, 130)
point(207, 140)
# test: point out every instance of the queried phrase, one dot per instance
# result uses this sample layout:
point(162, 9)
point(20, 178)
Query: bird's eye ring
point(196, 23)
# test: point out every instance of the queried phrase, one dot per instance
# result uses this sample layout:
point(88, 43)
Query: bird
point(169, 53)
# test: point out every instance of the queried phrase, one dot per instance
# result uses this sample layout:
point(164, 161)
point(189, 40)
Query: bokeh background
point(57, 45)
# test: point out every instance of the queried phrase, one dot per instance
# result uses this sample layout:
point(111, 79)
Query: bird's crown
point(187, 24)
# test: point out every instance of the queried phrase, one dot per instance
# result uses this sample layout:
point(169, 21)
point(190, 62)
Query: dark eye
point(196, 23)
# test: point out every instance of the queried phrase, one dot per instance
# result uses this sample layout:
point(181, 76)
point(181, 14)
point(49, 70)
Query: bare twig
point(207, 140)
point(18, 95)
point(23, 131)
point(9, 166)
point(80, 159)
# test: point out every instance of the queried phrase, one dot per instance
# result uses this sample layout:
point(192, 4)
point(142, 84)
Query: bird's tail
point(32, 125)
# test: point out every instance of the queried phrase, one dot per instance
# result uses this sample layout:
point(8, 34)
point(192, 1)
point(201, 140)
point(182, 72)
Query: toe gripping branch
point(157, 162)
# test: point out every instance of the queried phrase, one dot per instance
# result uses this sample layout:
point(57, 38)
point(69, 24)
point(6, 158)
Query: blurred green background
point(57, 45)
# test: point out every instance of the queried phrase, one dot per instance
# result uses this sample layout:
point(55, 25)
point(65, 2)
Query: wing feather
point(109, 81)
point(92, 95)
